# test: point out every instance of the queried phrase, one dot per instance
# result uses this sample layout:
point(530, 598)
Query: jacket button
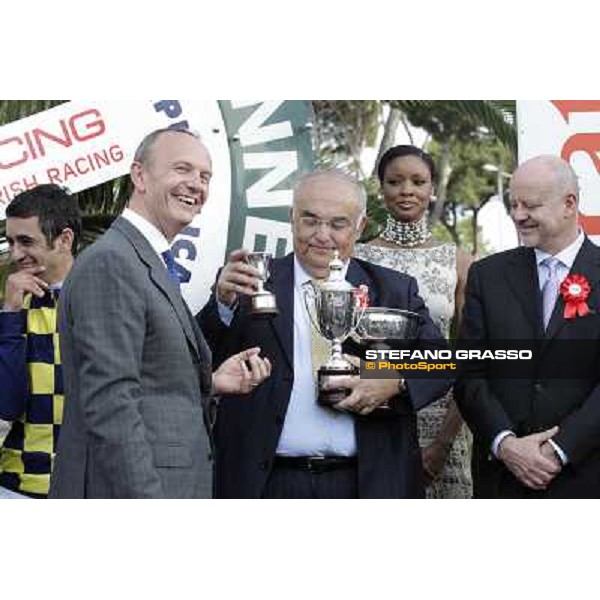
point(538, 387)
point(264, 465)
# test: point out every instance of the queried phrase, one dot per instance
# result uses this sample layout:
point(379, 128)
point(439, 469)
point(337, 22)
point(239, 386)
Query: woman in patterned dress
point(406, 174)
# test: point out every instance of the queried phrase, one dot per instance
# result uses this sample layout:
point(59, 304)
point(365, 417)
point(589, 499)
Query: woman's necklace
point(406, 233)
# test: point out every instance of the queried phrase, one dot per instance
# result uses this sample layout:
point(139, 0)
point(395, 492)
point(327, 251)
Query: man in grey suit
point(137, 369)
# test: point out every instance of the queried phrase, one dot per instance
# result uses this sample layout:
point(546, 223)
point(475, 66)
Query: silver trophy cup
point(262, 302)
point(381, 327)
point(384, 328)
point(335, 311)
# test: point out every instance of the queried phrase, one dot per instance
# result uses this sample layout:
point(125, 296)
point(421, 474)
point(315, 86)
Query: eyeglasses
point(338, 224)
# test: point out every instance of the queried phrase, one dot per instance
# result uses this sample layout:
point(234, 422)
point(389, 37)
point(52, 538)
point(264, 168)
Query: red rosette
point(575, 290)
point(361, 294)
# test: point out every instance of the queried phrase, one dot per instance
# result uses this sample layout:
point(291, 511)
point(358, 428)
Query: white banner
point(571, 129)
point(258, 148)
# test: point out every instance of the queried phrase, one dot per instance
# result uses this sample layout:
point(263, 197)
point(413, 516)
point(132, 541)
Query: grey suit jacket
point(135, 367)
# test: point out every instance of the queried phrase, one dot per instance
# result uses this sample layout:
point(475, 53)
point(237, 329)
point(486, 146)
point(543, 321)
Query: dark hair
point(55, 208)
point(404, 150)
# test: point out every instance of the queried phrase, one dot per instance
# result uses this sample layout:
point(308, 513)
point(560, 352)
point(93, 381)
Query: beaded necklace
point(406, 233)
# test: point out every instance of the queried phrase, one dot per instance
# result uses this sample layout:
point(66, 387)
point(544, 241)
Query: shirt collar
point(566, 255)
point(154, 237)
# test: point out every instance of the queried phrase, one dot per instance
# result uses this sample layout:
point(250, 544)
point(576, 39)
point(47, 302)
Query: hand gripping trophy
point(335, 308)
point(263, 302)
point(385, 328)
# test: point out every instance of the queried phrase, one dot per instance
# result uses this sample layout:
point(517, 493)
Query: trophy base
point(332, 396)
point(263, 305)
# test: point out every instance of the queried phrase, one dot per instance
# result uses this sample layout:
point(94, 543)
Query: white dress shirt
point(309, 429)
point(153, 236)
point(567, 258)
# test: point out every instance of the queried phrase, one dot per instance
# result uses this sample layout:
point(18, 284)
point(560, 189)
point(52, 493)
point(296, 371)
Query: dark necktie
point(48, 300)
point(172, 268)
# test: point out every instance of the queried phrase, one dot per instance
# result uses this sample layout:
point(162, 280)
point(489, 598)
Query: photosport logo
point(259, 149)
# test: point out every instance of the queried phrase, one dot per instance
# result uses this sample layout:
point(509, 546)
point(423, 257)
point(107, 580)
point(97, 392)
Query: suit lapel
point(159, 276)
point(587, 263)
point(357, 275)
point(523, 281)
point(204, 352)
point(281, 283)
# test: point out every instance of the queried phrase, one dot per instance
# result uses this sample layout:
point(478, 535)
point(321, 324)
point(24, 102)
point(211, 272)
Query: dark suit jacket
point(503, 302)
point(134, 365)
point(247, 428)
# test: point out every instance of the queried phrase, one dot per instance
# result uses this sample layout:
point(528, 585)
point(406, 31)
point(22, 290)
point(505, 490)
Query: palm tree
point(101, 204)
point(499, 117)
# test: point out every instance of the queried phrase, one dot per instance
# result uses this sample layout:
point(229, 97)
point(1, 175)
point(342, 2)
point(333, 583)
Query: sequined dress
point(435, 271)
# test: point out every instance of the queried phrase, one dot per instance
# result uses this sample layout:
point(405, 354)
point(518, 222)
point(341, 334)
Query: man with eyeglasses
point(279, 443)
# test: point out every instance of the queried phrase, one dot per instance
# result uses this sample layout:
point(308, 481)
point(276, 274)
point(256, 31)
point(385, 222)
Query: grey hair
point(142, 152)
point(341, 175)
point(566, 178)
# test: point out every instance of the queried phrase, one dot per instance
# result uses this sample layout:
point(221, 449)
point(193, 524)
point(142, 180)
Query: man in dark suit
point(537, 435)
point(280, 443)
point(137, 369)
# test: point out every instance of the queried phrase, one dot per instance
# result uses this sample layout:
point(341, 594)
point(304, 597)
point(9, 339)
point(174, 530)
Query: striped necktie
point(551, 287)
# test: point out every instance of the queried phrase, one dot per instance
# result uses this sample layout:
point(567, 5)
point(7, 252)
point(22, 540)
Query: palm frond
point(498, 116)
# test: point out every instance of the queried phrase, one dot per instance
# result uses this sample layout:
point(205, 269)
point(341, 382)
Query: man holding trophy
point(290, 438)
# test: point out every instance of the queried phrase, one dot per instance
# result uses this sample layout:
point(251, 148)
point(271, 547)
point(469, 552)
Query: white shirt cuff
point(498, 439)
point(561, 454)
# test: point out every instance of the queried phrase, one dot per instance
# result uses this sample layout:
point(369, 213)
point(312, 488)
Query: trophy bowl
point(381, 326)
point(262, 302)
point(336, 316)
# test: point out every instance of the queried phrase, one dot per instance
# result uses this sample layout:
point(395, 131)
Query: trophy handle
point(310, 301)
point(359, 312)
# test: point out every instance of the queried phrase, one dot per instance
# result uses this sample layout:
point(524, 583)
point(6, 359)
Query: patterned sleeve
point(13, 368)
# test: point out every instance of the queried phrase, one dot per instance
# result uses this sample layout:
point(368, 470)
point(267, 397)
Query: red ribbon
point(362, 296)
point(575, 290)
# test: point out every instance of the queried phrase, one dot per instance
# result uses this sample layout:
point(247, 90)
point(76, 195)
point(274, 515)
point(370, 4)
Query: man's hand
point(237, 277)
point(548, 451)
point(434, 457)
point(23, 282)
point(241, 373)
point(367, 394)
point(525, 459)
